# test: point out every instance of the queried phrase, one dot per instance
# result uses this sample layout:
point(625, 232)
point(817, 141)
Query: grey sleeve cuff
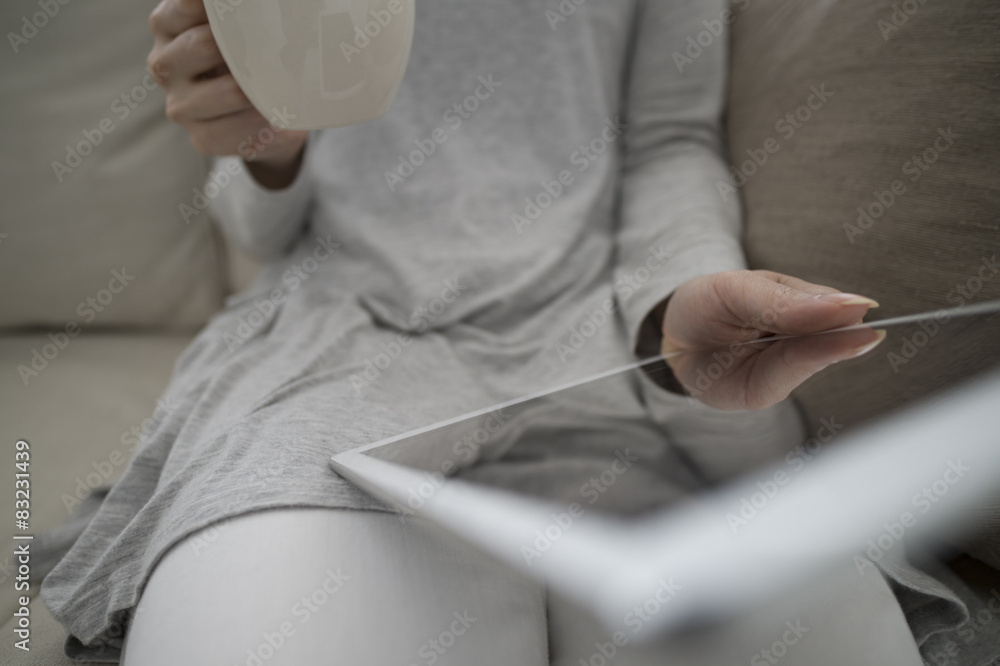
point(677, 229)
point(676, 222)
point(263, 223)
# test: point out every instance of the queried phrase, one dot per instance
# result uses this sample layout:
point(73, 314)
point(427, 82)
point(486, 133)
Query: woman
point(568, 221)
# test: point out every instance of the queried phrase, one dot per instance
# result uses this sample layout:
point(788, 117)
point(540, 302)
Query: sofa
point(110, 264)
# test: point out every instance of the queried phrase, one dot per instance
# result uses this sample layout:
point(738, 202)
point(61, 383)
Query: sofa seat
point(80, 414)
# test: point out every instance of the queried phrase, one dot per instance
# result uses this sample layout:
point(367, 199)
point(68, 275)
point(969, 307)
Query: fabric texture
point(905, 98)
point(570, 190)
point(954, 624)
point(879, 179)
point(94, 177)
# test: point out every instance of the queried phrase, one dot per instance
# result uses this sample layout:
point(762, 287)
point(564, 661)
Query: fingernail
point(847, 299)
point(865, 348)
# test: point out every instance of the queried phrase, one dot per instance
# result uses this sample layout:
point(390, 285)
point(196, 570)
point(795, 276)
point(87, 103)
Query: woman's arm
point(260, 197)
point(674, 224)
point(678, 229)
point(264, 222)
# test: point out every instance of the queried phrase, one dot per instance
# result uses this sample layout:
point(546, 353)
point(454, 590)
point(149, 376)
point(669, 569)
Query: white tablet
point(911, 475)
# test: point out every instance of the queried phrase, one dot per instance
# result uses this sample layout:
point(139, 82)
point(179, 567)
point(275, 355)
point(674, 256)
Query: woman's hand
point(204, 98)
point(712, 312)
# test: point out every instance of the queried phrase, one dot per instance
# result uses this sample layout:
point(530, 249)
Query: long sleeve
point(263, 223)
point(671, 205)
point(674, 225)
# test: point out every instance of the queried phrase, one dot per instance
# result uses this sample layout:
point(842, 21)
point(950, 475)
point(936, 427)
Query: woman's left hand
point(709, 313)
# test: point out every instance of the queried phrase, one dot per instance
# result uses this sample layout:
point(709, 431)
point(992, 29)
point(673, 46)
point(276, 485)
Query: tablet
point(912, 475)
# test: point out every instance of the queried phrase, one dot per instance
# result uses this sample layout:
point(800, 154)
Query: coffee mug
point(312, 64)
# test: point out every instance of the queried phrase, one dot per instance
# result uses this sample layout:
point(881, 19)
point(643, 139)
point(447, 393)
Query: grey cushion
point(900, 83)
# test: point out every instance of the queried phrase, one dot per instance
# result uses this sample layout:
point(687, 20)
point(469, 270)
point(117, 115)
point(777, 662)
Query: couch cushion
point(912, 106)
point(93, 175)
point(881, 181)
point(80, 416)
point(47, 638)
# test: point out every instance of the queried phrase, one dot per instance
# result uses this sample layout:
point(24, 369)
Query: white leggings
point(311, 587)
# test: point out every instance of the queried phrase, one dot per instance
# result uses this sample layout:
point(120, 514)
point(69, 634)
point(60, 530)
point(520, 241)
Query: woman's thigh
point(319, 586)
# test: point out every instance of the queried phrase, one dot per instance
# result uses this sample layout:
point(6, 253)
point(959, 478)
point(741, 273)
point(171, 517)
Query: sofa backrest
point(93, 175)
point(880, 177)
point(885, 177)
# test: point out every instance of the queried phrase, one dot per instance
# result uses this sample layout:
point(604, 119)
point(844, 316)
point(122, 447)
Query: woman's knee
point(304, 586)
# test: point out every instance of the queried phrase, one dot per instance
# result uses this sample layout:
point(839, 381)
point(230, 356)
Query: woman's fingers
point(186, 57)
point(236, 133)
point(191, 56)
point(784, 365)
point(756, 375)
point(204, 98)
point(172, 17)
point(787, 305)
point(207, 99)
point(744, 305)
point(719, 316)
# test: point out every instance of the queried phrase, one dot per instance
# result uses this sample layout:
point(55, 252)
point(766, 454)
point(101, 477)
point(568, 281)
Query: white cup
point(311, 64)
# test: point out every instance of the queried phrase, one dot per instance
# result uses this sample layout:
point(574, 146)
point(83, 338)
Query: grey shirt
point(543, 180)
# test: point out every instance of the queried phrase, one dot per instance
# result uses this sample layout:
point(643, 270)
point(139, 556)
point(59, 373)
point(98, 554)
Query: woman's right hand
point(204, 98)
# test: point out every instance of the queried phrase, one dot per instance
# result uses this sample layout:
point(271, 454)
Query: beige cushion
point(47, 637)
point(78, 416)
point(67, 231)
point(895, 94)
